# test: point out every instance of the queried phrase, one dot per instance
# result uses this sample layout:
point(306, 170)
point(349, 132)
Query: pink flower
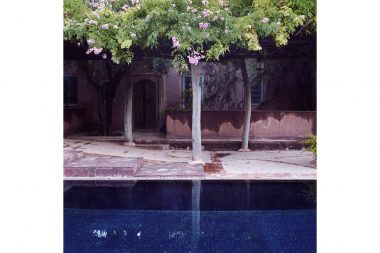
point(194, 10)
point(90, 42)
point(203, 25)
point(206, 13)
point(97, 50)
point(175, 42)
point(193, 60)
point(195, 57)
point(125, 7)
point(105, 27)
point(104, 56)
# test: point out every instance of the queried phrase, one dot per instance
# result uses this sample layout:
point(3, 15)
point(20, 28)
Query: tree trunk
point(101, 111)
point(128, 112)
point(106, 92)
point(196, 118)
point(247, 106)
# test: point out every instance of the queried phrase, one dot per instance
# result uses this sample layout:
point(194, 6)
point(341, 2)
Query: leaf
point(126, 44)
point(252, 40)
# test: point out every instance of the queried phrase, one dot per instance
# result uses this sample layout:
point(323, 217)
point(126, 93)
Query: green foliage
point(311, 143)
point(202, 29)
point(307, 8)
point(216, 50)
point(74, 9)
point(180, 63)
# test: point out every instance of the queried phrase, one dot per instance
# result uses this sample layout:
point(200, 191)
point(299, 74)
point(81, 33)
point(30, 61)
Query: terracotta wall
point(229, 124)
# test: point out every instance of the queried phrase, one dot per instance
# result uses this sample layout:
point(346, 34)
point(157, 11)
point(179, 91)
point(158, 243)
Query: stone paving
point(157, 140)
point(279, 164)
point(113, 149)
point(89, 160)
point(101, 167)
point(170, 169)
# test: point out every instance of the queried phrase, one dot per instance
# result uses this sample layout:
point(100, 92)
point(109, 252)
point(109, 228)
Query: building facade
point(279, 86)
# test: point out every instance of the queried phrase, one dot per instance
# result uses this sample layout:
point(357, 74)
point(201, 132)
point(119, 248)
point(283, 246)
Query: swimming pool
point(191, 216)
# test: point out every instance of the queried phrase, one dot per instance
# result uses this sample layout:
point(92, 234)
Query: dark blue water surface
point(186, 216)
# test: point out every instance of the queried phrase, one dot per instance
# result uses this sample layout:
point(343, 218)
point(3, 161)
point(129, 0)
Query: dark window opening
point(70, 91)
point(187, 89)
point(257, 92)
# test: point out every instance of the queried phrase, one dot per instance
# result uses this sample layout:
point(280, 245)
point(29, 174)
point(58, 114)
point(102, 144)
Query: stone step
point(178, 169)
point(224, 145)
point(153, 146)
point(92, 167)
point(161, 143)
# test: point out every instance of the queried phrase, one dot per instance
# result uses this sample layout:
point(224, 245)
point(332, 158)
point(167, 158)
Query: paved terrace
point(90, 160)
point(156, 138)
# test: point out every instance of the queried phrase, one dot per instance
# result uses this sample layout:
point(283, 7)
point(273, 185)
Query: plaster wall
point(229, 124)
point(289, 85)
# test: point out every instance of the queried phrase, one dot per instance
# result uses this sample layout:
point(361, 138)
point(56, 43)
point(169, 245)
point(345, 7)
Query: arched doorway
point(145, 105)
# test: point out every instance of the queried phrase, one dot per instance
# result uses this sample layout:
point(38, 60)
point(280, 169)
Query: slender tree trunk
point(128, 112)
point(101, 112)
point(247, 106)
point(196, 118)
point(108, 109)
point(106, 93)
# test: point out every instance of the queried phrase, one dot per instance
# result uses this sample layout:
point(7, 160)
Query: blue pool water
point(207, 216)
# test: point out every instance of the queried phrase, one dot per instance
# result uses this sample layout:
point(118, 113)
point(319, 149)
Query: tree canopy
point(195, 30)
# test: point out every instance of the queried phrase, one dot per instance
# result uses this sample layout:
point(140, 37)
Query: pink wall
point(173, 88)
point(227, 124)
point(282, 92)
point(169, 90)
point(74, 120)
point(87, 94)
